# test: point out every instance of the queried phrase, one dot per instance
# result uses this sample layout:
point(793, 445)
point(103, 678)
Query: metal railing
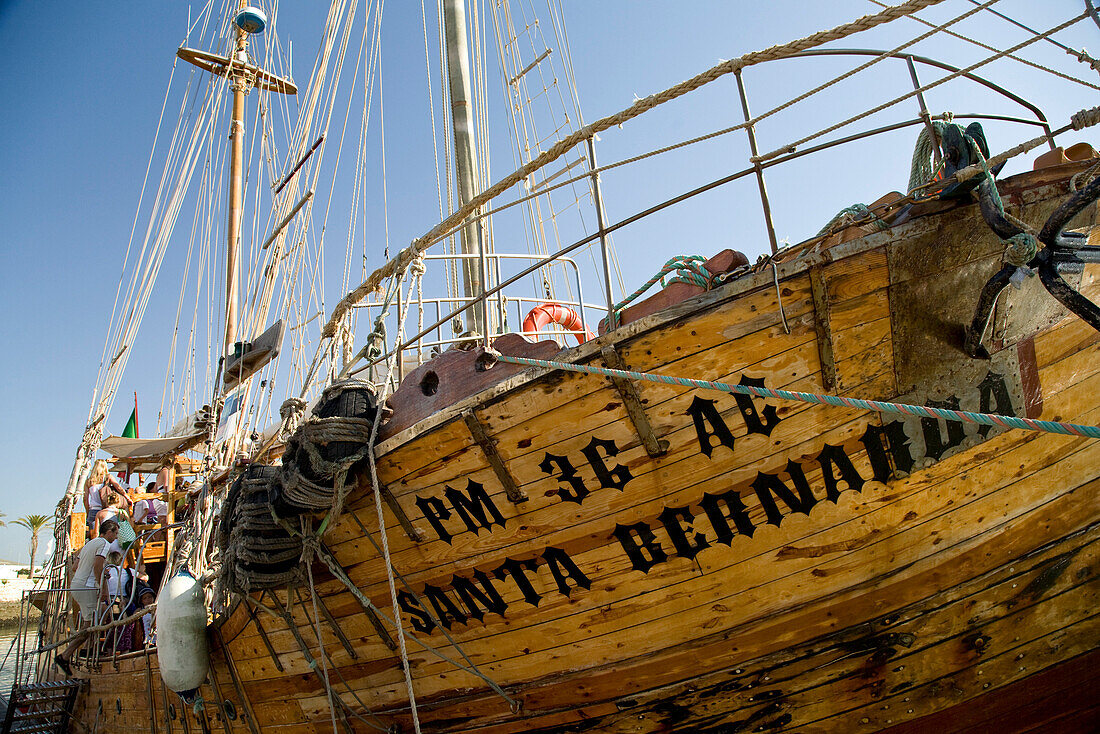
point(757, 169)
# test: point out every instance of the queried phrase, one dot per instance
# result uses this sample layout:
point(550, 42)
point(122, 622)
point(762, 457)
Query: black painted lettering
point(639, 542)
point(934, 442)
point(435, 512)
point(751, 414)
point(421, 620)
point(609, 478)
point(770, 486)
point(475, 507)
point(994, 389)
point(708, 423)
point(475, 599)
point(720, 518)
point(888, 449)
point(563, 568)
point(675, 519)
point(833, 457)
point(517, 570)
point(575, 491)
point(446, 611)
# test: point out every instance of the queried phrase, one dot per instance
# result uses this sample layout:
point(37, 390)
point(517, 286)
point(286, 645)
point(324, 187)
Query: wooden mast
point(241, 83)
point(458, 72)
point(243, 76)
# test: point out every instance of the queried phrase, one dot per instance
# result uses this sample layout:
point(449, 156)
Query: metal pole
point(924, 115)
point(759, 169)
point(458, 74)
point(605, 251)
point(240, 86)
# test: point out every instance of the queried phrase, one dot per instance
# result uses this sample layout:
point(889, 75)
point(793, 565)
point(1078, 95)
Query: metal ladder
point(41, 707)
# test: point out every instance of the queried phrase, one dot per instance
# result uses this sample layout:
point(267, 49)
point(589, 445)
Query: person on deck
point(144, 634)
point(97, 488)
point(150, 511)
point(86, 591)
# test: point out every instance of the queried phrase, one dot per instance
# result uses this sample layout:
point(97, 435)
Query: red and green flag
point(130, 431)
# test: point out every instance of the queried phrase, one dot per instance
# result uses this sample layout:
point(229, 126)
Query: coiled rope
point(922, 411)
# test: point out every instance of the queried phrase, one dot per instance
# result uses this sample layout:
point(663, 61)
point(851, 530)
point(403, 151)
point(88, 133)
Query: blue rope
point(922, 411)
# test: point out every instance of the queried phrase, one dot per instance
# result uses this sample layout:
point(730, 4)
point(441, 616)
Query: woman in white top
point(97, 488)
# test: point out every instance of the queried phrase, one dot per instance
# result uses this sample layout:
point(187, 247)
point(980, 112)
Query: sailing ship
point(848, 487)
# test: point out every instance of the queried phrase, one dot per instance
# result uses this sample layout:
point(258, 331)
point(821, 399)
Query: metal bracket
point(821, 326)
point(633, 404)
point(515, 494)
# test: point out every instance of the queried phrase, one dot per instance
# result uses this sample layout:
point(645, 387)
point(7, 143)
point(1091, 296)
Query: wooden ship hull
point(630, 556)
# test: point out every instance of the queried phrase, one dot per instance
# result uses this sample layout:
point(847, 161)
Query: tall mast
point(458, 73)
point(240, 84)
point(243, 76)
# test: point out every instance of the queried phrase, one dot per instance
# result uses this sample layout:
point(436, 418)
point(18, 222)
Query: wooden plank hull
point(778, 567)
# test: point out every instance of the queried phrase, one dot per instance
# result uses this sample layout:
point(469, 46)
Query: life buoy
point(181, 634)
point(555, 313)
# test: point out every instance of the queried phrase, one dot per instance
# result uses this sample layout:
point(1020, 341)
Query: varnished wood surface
point(922, 591)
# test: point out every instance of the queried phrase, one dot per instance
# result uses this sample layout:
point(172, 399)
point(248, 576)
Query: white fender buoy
point(181, 634)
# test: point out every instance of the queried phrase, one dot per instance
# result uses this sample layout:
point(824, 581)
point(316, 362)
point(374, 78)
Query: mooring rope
point(922, 411)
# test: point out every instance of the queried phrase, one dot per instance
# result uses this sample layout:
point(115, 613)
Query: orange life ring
point(555, 313)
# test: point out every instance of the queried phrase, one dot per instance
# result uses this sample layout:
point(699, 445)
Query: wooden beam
point(246, 704)
point(633, 404)
point(821, 325)
point(265, 638)
point(372, 615)
point(331, 623)
point(515, 494)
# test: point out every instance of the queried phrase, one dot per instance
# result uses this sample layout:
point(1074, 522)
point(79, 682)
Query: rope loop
point(689, 269)
point(1021, 248)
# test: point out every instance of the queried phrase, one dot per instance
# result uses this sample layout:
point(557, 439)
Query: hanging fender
point(555, 313)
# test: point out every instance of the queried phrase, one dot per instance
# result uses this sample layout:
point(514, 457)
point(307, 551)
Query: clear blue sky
point(82, 85)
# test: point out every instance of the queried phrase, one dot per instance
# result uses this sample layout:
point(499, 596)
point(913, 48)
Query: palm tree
point(34, 523)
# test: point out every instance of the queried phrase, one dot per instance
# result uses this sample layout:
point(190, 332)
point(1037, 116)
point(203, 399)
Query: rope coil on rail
point(922, 411)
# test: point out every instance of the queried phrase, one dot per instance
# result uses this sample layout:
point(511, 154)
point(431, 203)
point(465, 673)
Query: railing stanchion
point(759, 168)
point(605, 251)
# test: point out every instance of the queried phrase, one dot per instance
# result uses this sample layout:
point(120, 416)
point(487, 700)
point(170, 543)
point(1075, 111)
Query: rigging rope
point(790, 147)
point(400, 262)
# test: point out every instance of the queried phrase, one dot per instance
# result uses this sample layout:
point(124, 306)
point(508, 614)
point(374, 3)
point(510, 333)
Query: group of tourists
point(103, 585)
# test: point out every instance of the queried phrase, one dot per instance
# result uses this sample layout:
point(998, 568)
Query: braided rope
point(408, 254)
point(921, 411)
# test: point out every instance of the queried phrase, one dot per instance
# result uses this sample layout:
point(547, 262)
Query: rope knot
point(1085, 118)
point(417, 267)
point(311, 544)
point(1021, 248)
